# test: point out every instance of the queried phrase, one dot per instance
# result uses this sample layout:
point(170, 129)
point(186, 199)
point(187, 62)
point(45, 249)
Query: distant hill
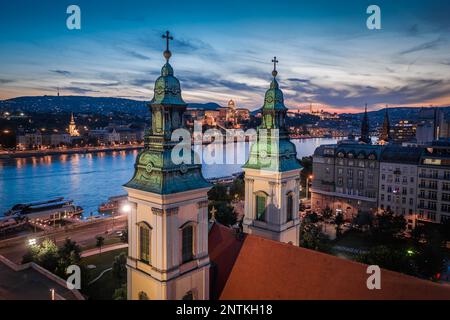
point(205, 106)
point(85, 104)
point(395, 114)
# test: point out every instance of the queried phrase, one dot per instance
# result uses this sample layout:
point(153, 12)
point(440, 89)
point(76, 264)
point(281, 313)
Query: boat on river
point(52, 209)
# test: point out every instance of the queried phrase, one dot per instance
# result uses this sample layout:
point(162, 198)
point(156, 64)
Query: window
point(261, 207)
point(188, 243)
point(144, 242)
point(290, 207)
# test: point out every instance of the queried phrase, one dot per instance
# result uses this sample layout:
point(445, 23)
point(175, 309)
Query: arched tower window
point(260, 208)
point(187, 243)
point(144, 242)
point(289, 206)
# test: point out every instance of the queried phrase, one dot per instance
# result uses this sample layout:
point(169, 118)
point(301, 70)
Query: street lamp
point(126, 208)
point(52, 291)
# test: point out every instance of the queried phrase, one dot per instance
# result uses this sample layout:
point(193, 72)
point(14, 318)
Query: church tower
point(168, 221)
point(386, 130)
point(272, 175)
point(365, 136)
point(72, 126)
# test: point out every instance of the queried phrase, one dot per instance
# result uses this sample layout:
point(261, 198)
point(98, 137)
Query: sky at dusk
point(223, 50)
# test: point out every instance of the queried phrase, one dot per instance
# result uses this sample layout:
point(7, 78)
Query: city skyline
point(333, 59)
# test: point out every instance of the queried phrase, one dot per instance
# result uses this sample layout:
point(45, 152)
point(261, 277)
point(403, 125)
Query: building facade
point(434, 183)
point(398, 181)
point(346, 178)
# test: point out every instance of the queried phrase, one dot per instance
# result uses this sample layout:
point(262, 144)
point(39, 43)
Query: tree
point(45, 254)
point(429, 253)
point(120, 293)
point(311, 235)
point(69, 253)
point(119, 269)
point(389, 258)
point(327, 213)
point(338, 221)
point(225, 213)
point(388, 226)
point(219, 192)
point(237, 190)
point(100, 242)
point(430, 261)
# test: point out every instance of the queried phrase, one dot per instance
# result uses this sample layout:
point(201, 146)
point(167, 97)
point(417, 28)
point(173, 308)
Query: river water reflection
point(89, 179)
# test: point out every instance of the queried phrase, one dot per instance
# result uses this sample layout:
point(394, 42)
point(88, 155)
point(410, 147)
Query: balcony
point(428, 197)
point(428, 186)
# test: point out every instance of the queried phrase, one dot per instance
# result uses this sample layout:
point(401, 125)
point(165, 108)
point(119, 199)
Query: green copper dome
point(156, 170)
point(273, 150)
point(167, 88)
point(274, 99)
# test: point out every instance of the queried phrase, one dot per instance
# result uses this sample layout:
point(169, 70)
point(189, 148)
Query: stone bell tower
point(168, 223)
point(272, 175)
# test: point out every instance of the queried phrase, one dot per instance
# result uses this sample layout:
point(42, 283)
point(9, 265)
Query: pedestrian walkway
point(95, 251)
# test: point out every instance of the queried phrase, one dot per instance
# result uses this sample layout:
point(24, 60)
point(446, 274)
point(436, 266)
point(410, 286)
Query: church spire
point(274, 110)
point(155, 169)
point(386, 130)
point(365, 137)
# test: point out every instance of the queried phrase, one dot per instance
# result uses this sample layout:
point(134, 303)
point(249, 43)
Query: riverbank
point(51, 152)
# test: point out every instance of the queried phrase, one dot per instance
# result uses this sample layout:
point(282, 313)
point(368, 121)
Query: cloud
point(61, 72)
point(413, 30)
point(79, 90)
point(142, 82)
point(424, 46)
point(5, 81)
point(96, 84)
point(213, 82)
point(135, 54)
point(414, 91)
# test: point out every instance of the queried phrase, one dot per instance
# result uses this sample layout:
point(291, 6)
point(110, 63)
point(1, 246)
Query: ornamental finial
point(274, 72)
point(168, 37)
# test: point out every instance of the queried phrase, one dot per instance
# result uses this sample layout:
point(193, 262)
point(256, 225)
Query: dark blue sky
point(222, 50)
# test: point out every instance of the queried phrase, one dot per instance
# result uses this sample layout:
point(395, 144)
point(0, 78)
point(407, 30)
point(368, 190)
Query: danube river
point(89, 179)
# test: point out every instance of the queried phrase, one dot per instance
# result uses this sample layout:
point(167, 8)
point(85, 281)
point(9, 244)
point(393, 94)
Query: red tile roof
point(257, 268)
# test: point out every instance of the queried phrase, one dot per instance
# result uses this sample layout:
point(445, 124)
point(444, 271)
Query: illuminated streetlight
point(32, 242)
point(126, 208)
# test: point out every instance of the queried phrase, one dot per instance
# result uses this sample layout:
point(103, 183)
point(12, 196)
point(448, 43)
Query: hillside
point(84, 104)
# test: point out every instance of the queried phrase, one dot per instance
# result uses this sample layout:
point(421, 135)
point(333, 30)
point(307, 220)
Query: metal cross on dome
point(168, 37)
point(275, 61)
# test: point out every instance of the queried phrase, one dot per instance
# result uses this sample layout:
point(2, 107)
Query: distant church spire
point(365, 137)
point(386, 130)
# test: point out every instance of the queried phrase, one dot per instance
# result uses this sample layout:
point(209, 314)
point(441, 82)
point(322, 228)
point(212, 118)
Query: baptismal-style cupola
point(272, 174)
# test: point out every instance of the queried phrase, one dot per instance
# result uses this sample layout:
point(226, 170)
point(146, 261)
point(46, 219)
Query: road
point(83, 235)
